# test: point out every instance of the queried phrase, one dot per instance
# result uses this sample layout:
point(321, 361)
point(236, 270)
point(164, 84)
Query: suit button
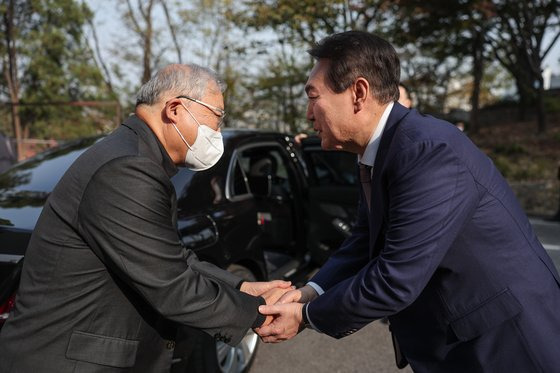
point(170, 345)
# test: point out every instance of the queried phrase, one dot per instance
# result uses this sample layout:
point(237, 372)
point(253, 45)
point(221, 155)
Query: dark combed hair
point(355, 54)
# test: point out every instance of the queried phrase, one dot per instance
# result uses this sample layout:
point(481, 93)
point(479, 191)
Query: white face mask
point(207, 148)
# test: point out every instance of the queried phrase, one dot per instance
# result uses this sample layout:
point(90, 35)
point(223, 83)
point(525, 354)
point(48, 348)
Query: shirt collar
point(368, 158)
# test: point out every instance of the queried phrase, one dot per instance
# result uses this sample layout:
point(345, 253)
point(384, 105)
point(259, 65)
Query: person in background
point(404, 96)
point(106, 280)
point(299, 137)
point(460, 125)
point(441, 246)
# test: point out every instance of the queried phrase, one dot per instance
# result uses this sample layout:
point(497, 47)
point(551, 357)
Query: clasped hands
point(283, 308)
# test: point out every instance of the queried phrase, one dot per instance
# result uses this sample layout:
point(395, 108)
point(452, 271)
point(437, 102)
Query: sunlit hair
point(175, 80)
point(355, 54)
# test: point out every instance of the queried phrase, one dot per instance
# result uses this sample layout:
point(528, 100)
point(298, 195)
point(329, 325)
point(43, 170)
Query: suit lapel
point(378, 212)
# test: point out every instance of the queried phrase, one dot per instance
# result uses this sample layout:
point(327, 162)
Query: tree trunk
point(11, 77)
point(148, 48)
point(478, 71)
point(523, 101)
point(147, 35)
point(541, 114)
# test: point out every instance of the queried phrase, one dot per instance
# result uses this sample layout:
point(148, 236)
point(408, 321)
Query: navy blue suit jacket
point(449, 255)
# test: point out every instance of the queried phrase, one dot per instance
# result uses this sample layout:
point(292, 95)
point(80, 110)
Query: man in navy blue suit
point(441, 246)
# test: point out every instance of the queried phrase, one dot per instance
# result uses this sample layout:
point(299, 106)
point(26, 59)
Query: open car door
point(333, 197)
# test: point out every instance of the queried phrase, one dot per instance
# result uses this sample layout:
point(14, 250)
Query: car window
point(281, 170)
point(333, 167)
point(182, 180)
point(261, 169)
point(266, 162)
point(239, 180)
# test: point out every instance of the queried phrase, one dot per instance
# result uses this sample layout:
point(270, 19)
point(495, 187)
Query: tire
point(210, 356)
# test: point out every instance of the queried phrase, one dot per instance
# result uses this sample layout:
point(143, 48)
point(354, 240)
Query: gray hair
point(188, 79)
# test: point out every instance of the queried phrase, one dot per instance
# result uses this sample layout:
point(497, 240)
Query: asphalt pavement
point(549, 235)
point(368, 350)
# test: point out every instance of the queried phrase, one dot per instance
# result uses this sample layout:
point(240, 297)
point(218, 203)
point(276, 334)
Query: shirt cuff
point(260, 317)
point(317, 288)
point(307, 320)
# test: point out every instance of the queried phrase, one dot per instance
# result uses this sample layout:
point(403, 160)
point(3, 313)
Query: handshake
point(283, 309)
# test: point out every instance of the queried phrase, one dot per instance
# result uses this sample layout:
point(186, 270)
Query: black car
point(269, 209)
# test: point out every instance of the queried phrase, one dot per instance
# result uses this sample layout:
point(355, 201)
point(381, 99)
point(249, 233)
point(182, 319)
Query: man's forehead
point(315, 78)
point(213, 89)
point(213, 95)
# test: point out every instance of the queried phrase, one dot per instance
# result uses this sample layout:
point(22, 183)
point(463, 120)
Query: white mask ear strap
point(191, 114)
point(182, 138)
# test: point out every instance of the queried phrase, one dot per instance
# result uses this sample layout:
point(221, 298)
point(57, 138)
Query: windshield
point(37, 177)
point(42, 172)
point(25, 187)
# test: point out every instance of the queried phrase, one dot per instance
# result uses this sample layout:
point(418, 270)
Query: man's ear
point(170, 110)
point(360, 90)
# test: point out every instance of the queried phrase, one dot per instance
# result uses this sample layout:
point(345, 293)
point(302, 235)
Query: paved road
point(549, 234)
point(370, 349)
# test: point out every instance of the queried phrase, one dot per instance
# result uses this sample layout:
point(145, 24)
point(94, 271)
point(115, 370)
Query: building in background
point(551, 81)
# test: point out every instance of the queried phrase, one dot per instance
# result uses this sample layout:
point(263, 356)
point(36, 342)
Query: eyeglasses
point(220, 113)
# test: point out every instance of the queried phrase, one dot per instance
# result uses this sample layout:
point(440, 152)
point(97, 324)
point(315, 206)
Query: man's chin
point(325, 144)
point(329, 145)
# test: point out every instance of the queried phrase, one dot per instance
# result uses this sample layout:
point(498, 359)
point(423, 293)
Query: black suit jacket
point(105, 275)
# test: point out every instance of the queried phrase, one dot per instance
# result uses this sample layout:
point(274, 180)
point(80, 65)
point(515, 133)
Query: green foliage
point(258, 48)
point(552, 104)
point(55, 65)
point(522, 168)
point(503, 164)
point(509, 150)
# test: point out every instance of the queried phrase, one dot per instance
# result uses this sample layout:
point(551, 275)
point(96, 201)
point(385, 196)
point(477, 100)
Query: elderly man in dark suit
point(106, 279)
point(441, 246)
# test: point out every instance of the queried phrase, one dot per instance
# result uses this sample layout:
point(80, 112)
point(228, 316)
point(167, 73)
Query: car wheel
point(210, 356)
point(238, 359)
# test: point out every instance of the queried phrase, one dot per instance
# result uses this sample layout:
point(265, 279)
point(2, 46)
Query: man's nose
point(309, 114)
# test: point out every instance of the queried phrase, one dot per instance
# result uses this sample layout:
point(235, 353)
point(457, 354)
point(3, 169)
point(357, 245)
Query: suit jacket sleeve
point(431, 194)
point(125, 216)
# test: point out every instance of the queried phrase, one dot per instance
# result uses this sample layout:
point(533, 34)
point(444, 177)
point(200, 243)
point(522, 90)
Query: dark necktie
point(365, 179)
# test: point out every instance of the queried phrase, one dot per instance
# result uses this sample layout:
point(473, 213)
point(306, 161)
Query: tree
point(152, 36)
point(215, 42)
point(279, 88)
point(518, 45)
point(140, 21)
point(296, 26)
point(11, 11)
point(48, 61)
point(451, 33)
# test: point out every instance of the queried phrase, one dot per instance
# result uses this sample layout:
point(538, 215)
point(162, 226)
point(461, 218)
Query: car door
point(271, 180)
point(333, 197)
point(270, 184)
